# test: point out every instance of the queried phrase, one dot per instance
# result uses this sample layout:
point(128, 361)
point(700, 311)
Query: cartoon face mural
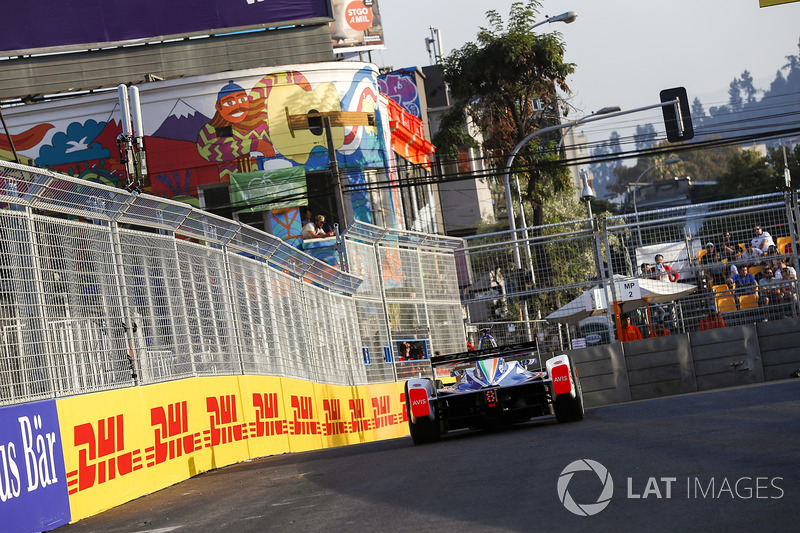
point(200, 131)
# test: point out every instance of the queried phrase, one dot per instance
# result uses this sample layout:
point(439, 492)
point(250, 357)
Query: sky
point(625, 51)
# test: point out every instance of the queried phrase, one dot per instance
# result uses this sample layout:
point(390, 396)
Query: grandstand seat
point(748, 301)
point(782, 243)
point(722, 290)
point(700, 255)
point(753, 270)
point(726, 304)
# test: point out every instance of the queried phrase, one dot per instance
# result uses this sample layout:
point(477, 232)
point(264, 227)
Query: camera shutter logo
point(585, 509)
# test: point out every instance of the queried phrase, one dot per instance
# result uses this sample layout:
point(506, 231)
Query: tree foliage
point(507, 85)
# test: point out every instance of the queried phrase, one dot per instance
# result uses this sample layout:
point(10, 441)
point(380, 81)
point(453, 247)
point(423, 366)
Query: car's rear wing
point(518, 351)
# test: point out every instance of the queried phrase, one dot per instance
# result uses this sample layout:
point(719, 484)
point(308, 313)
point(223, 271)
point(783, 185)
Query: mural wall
point(207, 129)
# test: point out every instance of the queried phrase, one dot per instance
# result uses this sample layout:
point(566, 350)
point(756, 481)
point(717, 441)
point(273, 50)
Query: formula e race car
point(495, 387)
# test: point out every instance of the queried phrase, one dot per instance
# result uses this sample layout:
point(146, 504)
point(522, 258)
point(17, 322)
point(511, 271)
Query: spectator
point(789, 290)
point(783, 265)
point(751, 254)
point(712, 320)
point(713, 266)
point(769, 290)
point(313, 230)
point(470, 346)
point(729, 271)
point(664, 272)
point(627, 331)
point(660, 330)
point(744, 280)
point(306, 216)
point(762, 240)
point(729, 251)
point(646, 271)
point(760, 274)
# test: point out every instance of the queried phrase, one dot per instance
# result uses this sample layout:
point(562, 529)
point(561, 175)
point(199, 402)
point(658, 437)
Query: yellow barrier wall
point(122, 444)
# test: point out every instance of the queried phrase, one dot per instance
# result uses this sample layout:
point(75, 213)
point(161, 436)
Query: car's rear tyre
point(566, 408)
point(424, 430)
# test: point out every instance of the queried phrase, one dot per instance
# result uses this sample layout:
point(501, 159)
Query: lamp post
point(670, 161)
point(610, 111)
point(566, 18)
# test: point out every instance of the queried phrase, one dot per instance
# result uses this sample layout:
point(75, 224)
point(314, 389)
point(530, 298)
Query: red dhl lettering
point(100, 454)
point(223, 425)
point(171, 434)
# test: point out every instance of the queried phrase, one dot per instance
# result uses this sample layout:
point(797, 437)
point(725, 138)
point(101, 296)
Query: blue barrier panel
point(33, 483)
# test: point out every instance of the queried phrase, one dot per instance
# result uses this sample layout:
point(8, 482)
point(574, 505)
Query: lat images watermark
point(665, 487)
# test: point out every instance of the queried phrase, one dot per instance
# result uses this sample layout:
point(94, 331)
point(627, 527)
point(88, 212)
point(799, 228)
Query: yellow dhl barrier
point(122, 444)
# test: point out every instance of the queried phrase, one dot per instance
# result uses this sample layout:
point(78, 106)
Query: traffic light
point(679, 125)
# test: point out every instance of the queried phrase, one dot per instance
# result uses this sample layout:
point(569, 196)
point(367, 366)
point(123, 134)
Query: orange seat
point(748, 301)
point(726, 304)
point(782, 243)
point(700, 255)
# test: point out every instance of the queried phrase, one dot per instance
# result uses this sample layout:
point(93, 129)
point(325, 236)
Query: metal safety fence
point(408, 305)
point(101, 288)
point(672, 271)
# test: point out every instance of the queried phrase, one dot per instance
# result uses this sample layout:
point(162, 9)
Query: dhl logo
point(334, 425)
point(171, 434)
point(358, 413)
point(303, 417)
point(101, 455)
point(223, 425)
point(267, 416)
point(383, 416)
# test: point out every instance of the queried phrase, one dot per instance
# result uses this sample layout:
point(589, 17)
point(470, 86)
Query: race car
point(497, 386)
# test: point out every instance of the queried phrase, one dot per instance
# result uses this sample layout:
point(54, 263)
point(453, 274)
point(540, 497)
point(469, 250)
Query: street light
point(507, 173)
point(566, 18)
point(670, 161)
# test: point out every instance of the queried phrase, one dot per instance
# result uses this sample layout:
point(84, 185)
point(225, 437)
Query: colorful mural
point(201, 131)
point(401, 86)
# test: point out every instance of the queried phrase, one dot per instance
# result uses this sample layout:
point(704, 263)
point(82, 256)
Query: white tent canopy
point(652, 290)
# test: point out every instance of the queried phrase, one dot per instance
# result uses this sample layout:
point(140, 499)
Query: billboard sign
point(356, 26)
point(72, 23)
point(33, 485)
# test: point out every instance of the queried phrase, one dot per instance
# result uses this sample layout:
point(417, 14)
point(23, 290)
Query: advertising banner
point(53, 23)
point(33, 484)
point(357, 26)
point(268, 189)
point(119, 445)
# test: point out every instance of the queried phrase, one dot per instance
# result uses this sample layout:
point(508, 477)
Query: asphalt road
point(725, 460)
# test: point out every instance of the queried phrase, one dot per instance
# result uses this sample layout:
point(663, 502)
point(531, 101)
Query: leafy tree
point(645, 136)
point(775, 156)
point(698, 112)
point(746, 86)
point(735, 95)
point(507, 85)
point(748, 173)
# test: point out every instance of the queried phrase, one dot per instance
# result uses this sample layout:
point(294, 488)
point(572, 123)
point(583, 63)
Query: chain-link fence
point(103, 289)
point(672, 271)
point(408, 305)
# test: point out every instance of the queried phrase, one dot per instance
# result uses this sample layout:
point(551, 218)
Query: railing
point(102, 289)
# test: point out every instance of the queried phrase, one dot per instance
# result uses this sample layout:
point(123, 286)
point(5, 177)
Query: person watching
point(313, 230)
point(663, 271)
point(762, 240)
point(627, 331)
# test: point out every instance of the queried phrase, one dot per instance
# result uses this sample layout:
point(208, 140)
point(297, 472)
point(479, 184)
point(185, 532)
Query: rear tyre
point(569, 409)
point(424, 430)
